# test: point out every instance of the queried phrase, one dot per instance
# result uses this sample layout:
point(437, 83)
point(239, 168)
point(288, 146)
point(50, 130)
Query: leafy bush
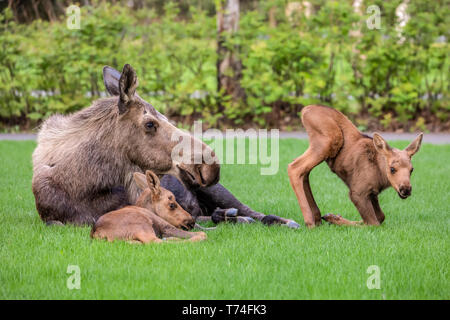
point(398, 80)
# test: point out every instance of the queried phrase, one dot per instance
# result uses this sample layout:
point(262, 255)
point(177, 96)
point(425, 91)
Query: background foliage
point(380, 81)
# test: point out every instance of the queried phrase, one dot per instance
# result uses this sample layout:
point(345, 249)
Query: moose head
point(151, 140)
point(161, 201)
point(397, 163)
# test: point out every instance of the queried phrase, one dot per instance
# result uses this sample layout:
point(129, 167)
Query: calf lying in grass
point(156, 215)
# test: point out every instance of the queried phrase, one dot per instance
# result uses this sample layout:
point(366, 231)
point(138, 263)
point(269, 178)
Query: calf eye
point(150, 125)
point(392, 170)
point(172, 206)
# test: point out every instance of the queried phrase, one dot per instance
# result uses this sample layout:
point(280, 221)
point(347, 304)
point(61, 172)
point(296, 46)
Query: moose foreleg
point(217, 196)
point(368, 208)
point(364, 205)
point(169, 232)
point(376, 206)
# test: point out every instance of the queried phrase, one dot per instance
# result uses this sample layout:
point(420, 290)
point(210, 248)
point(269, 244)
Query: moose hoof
point(332, 218)
point(232, 212)
point(245, 220)
point(292, 224)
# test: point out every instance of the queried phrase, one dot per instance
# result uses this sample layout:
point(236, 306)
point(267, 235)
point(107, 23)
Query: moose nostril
point(405, 190)
point(190, 223)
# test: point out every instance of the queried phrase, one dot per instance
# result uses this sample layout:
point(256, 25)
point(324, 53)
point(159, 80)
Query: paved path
point(434, 138)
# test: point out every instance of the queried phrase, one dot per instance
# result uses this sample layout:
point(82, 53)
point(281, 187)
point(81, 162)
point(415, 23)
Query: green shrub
point(46, 68)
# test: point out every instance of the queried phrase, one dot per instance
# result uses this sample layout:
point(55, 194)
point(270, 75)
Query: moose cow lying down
point(84, 163)
point(156, 215)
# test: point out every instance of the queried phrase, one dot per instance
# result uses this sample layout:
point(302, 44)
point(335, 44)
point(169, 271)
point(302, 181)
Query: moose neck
point(103, 149)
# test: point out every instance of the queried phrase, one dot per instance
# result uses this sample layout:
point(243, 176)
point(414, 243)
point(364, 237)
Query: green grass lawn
point(411, 248)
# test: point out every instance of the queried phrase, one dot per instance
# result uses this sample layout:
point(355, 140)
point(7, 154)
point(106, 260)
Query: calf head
point(149, 139)
point(397, 163)
point(161, 201)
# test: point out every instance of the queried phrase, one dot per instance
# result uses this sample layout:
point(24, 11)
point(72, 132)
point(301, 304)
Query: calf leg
point(146, 236)
point(298, 172)
point(364, 205)
point(366, 208)
point(168, 231)
point(312, 203)
point(376, 206)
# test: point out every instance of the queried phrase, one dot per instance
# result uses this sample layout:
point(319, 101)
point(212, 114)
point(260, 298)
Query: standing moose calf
point(366, 165)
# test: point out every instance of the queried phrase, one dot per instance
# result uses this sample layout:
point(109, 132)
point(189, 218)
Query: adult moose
point(84, 163)
point(366, 165)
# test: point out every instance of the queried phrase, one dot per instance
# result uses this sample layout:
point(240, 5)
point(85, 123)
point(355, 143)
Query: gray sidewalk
point(434, 138)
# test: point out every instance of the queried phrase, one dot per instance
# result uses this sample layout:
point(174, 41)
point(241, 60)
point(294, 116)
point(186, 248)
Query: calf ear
point(414, 146)
point(111, 80)
point(153, 182)
point(128, 83)
point(141, 180)
point(380, 144)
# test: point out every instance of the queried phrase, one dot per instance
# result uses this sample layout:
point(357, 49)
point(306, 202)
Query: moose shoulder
point(84, 163)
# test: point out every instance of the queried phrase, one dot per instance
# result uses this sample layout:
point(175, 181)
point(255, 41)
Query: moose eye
point(150, 125)
point(392, 170)
point(172, 206)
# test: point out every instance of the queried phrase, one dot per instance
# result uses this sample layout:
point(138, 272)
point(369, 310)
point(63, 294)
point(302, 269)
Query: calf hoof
point(200, 236)
point(332, 218)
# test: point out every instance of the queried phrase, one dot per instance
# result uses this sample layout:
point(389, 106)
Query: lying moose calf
point(156, 215)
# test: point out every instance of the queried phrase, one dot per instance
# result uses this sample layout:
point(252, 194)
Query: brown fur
point(155, 215)
point(363, 163)
point(84, 163)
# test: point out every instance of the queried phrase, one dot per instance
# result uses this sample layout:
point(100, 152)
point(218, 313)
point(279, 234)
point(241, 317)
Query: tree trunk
point(229, 66)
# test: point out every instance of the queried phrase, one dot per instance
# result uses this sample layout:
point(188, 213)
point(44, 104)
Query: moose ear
point(414, 146)
point(140, 180)
point(153, 182)
point(111, 80)
point(380, 144)
point(128, 83)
